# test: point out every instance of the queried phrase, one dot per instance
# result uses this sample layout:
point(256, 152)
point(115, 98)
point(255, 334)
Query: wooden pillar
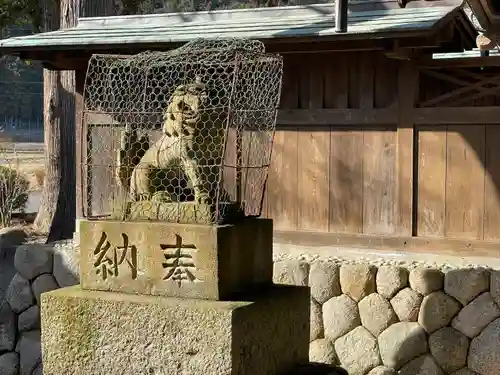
point(406, 171)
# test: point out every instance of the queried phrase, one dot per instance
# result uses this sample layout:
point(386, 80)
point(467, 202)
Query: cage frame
point(86, 132)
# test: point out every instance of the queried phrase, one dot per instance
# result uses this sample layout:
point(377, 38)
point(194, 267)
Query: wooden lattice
point(460, 87)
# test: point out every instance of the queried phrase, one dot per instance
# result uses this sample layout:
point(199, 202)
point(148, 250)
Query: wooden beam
point(405, 169)
point(332, 117)
point(359, 117)
point(457, 115)
point(441, 246)
point(459, 62)
point(293, 47)
point(98, 118)
point(293, 117)
point(404, 54)
point(413, 48)
point(480, 13)
point(483, 86)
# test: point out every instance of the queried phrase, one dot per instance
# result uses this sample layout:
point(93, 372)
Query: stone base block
point(176, 260)
point(94, 333)
point(183, 212)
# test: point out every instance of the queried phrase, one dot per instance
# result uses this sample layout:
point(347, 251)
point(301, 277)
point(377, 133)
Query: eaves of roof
point(283, 23)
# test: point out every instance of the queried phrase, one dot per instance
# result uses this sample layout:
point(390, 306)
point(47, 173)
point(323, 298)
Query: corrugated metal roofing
point(260, 23)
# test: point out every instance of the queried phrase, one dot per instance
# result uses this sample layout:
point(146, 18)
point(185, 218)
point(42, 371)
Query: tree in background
point(56, 215)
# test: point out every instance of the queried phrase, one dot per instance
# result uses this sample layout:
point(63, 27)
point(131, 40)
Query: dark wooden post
point(406, 149)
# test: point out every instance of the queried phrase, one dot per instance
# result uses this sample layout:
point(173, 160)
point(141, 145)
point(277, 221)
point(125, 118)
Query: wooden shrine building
point(386, 133)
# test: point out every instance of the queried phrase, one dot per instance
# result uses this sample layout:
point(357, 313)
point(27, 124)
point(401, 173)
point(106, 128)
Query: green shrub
point(13, 193)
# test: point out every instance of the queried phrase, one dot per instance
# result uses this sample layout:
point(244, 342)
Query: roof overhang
point(378, 24)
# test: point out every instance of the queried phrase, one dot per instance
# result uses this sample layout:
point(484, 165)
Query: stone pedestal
point(94, 333)
point(154, 300)
point(177, 260)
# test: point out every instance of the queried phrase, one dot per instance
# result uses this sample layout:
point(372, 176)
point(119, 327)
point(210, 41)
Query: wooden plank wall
point(333, 178)
point(459, 175)
point(458, 182)
point(438, 180)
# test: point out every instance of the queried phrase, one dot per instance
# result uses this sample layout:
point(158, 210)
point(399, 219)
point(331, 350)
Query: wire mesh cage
point(181, 136)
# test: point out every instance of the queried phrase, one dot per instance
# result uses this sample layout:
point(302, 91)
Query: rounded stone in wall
point(390, 280)
point(424, 365)
point(324, 281)
point(340, 315)
point(31, 260)
point(9, 363)
point(426, 280)
point(484, 353)
point(437, 311)
point(7, 327)
point(19, 294)
point(11, 237)
point(406, 304)
point(322, 351)
point(358, 351)
point(357, 280)
point(291, 272)
point(376, 313)
point(29, 351)
point(474, 317)
point(38, 369)
point(43, 283)
point(382, 370)
point(465, 371)
point(316, 321)
point(449, 348)
point(402, 342)
point(465, 284)
point(29, 320)
point(66, 263)
point(495, 286)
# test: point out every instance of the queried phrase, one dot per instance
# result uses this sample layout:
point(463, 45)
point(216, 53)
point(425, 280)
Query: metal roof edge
point(312, 10)
point(464, 54)
point(213, 12)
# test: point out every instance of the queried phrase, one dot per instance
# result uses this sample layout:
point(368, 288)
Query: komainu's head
point(187, 103)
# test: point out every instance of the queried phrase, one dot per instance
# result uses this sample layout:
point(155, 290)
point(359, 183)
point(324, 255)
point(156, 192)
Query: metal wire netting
point(181, 136)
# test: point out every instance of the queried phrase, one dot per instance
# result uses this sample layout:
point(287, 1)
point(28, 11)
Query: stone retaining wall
point(371, 316)
point(40, 268)
point(407, 320)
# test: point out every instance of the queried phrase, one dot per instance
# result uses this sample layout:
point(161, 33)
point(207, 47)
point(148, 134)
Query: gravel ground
point(344, 255)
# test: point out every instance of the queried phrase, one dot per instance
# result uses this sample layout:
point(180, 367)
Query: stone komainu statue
point(183, 164)
point(194, 127)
